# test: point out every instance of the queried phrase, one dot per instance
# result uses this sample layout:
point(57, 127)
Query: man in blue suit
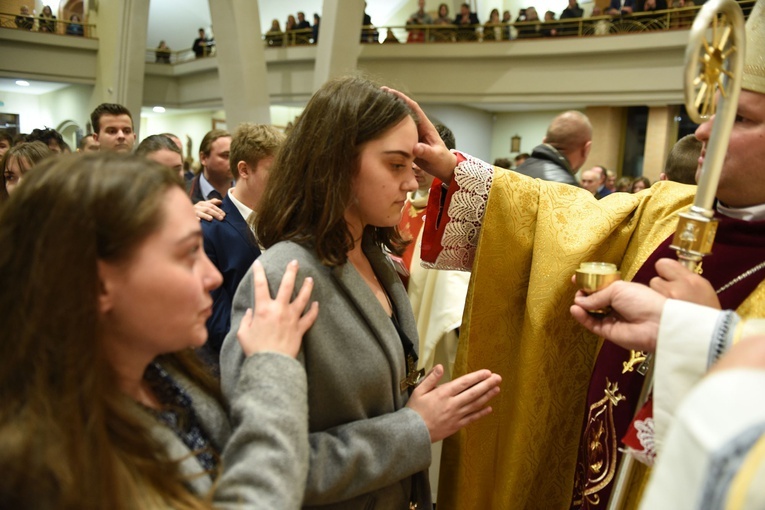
point(229, 242)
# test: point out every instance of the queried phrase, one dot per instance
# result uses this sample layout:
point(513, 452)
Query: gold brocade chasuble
point(517, 324)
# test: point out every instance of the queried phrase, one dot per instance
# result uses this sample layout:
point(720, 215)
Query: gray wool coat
point(367, 450)
point(264, 445)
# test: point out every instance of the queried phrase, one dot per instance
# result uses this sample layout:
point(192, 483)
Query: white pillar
point(241, 61)
point(122, 28)
point(339, 40)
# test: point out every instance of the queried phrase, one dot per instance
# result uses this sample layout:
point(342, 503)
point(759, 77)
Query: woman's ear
point(106, 286)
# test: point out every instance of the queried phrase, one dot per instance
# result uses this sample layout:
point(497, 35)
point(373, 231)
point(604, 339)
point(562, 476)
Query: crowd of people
point(46, 21)
point(296, 31)
point(423, 26)
point(261, 334)
point(186, 360)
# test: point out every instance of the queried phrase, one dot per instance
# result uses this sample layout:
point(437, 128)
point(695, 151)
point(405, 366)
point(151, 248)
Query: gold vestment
point(517, 324)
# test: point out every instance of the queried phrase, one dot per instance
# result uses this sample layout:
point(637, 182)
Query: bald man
point(563, 151)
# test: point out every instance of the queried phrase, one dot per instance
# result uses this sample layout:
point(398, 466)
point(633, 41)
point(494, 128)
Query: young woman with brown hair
point(17, 161)
point(333, 202)
point(105, 294)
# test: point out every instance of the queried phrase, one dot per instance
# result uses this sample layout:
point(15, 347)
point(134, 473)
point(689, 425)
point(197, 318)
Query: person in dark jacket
point(563, 151)
point(573, 11)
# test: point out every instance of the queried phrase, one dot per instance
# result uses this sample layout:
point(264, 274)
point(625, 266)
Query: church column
point(339, 44)
point(607, 137)
point(122, 27)
point(241, 61)
point(660, 136)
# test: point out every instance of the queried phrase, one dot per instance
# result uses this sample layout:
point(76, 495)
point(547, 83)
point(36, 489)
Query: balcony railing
point(157, 56)
point(672, 19)
point(47, 25)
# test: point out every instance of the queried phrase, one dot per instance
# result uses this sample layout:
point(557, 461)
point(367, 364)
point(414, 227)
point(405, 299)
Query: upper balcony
point(48, 50)
point(597, 61)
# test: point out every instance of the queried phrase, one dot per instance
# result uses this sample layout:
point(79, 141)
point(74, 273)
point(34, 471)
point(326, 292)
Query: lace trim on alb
point(468, 205)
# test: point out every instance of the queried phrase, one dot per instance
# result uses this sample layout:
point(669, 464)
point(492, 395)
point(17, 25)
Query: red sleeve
point(436, 216)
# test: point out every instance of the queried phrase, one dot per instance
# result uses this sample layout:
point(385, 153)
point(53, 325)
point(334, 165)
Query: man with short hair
point(202, 45)
point(563, 151)
point(683, 161)
point(113, 128)
point(214, 180)
point(49, 137)
point(602, 174)
point(419, 17)
point(589, 181)
point(302, 23)
point(520, 158)
point(610, 181)
point(88, 144)
point(230, 243)
point(24, 21)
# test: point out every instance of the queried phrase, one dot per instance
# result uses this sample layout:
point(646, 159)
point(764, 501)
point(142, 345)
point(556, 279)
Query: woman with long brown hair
point(104, 403)
point(17, 161)
point(333, 203)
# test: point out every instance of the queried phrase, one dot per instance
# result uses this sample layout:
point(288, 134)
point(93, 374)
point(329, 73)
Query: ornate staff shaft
point(712, 85)
point(712, 68)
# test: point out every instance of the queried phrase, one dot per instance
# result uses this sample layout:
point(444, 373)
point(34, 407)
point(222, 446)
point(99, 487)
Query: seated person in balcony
point(290, 24)
point(24, 21)
point(466, 20)
point(507, 24)
point(302, 23)
point(202, 45)
point(573, 11)
point(390, 37)
point(304, 29)
point(599, 26)
point(492, 29)
point(419, 17)
point(530, 26)
point(47, 21)
point(621, 8)
point(369, 33)
point(315, 27)
point(274, 36)
point(162, 53)
point(650, 5)
point(550, 28)
point(443, 34)
point(443, 16)
point(75, 26)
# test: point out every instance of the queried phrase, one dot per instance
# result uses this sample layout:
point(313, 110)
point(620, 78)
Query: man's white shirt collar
point(753, 213)
point(243, 209)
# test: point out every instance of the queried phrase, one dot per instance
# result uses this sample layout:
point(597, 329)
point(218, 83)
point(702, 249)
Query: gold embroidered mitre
point(754, 61)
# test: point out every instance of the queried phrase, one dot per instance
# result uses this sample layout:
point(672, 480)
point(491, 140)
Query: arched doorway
point(73, 7)
point(71, 132)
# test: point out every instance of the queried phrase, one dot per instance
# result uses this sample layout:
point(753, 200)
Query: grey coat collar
point(365, 301)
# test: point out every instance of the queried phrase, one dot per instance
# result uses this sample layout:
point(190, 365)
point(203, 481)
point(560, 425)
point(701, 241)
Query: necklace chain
point(745, 274)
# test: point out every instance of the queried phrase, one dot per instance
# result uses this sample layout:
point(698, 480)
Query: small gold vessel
point(594, 276)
